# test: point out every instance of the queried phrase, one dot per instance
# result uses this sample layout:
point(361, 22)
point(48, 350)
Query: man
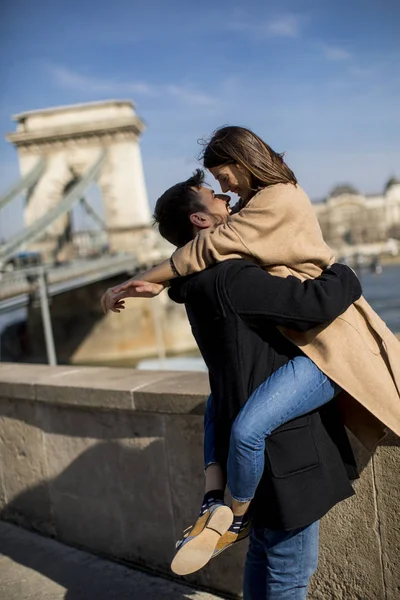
point(234, 309)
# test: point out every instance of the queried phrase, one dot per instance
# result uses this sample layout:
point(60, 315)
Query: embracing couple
point(294, 354)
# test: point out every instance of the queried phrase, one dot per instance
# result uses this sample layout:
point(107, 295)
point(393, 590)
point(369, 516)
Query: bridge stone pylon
point(70, 139)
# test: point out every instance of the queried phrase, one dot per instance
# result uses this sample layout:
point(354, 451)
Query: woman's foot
point(238, 531)
point(199, 542)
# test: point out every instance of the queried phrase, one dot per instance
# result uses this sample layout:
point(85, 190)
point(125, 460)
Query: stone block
point(17, 380)
point(350, 554)
point(184, 446)
point(26, 496)
point(387, 478)
point(3, 501)
point(110, 468)
point(145, 504)
point(177, 393)
point(87, 522)
point(99, 387)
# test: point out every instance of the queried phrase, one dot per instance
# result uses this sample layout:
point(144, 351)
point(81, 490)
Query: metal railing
point(42, 282)
point(67, 276)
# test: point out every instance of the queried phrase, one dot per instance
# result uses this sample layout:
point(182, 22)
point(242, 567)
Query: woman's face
point(232, 178)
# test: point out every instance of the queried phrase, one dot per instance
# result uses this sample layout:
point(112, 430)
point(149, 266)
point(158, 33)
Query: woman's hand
point(148, 286)
point(137, 288)
point(111, 301)
point(133, 288)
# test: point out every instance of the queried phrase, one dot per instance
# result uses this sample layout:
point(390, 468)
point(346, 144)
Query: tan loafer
point(229, 539)
point(199, 542)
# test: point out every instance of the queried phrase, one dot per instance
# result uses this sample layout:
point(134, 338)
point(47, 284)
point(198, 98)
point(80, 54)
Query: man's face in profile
point(216, 206)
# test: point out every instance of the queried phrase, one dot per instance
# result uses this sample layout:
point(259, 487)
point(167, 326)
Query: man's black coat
point(234, 309)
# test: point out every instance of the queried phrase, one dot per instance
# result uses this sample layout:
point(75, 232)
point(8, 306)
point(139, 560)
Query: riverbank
point(390, 260)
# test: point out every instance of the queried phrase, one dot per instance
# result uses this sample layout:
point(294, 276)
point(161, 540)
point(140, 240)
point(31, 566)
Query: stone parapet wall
point(111, 460)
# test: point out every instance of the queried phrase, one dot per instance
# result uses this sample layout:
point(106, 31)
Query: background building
point(348, 217)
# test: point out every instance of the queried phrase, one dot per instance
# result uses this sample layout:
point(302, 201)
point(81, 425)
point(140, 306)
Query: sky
point(317, 79)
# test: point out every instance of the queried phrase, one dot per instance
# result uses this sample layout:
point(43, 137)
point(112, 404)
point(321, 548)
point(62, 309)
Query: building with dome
point(347, 217)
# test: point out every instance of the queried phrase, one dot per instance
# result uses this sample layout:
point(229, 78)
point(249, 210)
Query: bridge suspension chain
point(93, 213)
point(25, 182)
point(39, 226)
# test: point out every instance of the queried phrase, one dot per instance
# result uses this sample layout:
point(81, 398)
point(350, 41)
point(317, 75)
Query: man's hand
point(133, 288)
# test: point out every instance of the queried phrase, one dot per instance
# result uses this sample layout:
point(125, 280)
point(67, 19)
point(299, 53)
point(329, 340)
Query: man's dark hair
point(174, 207)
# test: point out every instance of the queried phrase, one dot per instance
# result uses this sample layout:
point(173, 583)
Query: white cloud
point(362, 72)
point(74, 81)
point(68, 79)
point(335, 53)
point(285, 25)
point(190, 96)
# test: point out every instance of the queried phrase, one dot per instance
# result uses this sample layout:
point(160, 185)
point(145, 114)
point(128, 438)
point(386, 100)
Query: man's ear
point(200, 219)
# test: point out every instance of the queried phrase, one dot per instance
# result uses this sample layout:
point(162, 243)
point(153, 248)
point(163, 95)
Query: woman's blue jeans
point(294, 390)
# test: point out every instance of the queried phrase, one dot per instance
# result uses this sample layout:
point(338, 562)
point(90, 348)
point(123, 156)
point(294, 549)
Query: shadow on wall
point(108, 500)
point(106, 487)
point(119, 483)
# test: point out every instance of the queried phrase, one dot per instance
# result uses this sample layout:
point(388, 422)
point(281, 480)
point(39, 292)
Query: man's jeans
point(279, 564)
point(293, 390)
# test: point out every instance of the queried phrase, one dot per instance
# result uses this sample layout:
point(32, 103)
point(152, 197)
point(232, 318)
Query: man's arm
point(263, 300)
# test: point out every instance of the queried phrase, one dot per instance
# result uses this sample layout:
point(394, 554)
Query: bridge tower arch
point(69, 140)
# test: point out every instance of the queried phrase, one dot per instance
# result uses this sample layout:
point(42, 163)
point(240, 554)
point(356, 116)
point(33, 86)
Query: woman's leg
point(199, 542)
point(213, 472)
point(294, 390)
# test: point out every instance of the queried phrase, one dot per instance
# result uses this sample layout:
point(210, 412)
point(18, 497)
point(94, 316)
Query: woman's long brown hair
point(238, 145)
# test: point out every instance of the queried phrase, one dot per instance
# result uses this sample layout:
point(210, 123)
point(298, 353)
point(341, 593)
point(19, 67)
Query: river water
point(382, 292)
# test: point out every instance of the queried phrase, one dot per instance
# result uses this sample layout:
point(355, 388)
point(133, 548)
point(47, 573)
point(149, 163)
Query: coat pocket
point(291, 449)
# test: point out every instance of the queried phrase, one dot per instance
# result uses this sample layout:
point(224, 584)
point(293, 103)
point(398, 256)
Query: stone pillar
point(123, 187)
point(71, 139)
point(124, 196)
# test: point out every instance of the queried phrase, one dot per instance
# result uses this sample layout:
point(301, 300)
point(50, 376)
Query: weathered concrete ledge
point(177, 392)
point(111, 460)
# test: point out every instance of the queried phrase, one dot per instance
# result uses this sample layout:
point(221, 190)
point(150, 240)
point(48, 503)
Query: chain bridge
point(62, 152)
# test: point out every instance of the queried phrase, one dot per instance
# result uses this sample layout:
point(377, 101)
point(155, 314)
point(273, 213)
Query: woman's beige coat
point(278, 229)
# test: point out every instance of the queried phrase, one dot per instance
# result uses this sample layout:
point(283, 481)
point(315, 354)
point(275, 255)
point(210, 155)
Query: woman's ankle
point(239, 509)
point(214, 478)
